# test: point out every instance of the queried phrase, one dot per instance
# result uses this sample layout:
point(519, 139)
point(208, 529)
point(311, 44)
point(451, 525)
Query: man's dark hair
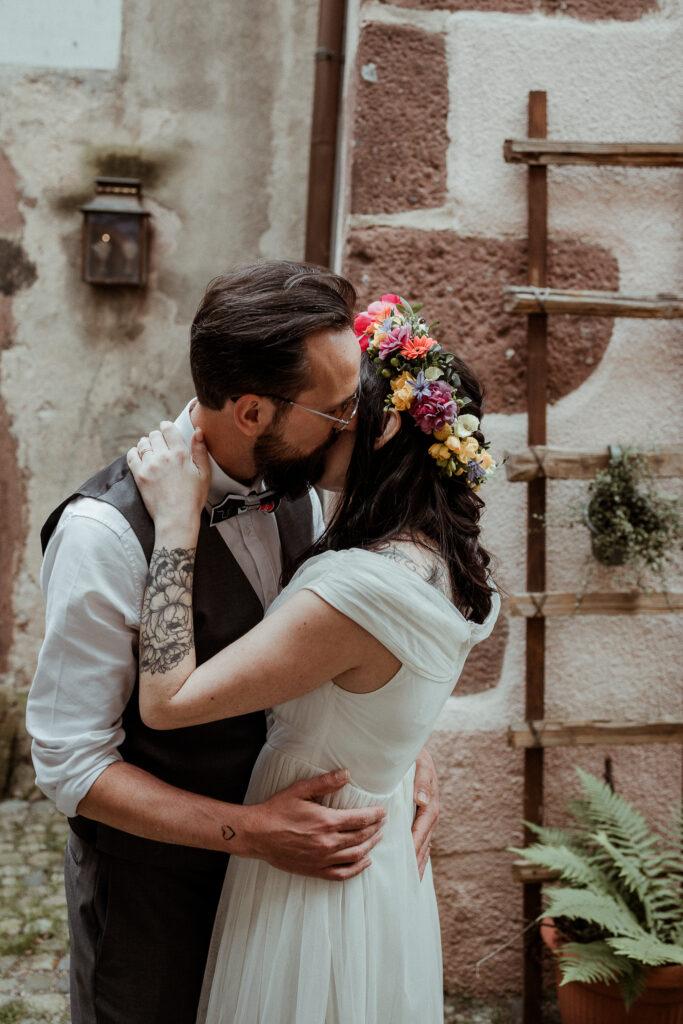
point(249, 331)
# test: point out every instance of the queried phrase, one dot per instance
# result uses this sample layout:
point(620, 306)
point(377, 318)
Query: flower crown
point(424, 383)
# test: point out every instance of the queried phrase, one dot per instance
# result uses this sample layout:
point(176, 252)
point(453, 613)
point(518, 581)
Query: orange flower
point(417, 347)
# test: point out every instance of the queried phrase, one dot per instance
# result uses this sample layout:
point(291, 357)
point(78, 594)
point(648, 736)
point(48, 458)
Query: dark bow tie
point(237, 504)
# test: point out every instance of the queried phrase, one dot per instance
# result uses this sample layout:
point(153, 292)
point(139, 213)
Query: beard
point(284, 468)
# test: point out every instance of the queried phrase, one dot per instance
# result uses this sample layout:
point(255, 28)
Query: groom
point(154, 815)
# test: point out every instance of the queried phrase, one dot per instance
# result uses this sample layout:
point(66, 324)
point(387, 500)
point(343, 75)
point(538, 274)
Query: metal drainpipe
point(329, 57)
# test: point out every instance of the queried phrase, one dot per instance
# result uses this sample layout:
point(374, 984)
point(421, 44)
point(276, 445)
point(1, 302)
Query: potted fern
point(615, 924)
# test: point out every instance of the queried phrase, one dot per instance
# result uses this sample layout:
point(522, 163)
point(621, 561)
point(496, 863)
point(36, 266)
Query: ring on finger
point(143, 451)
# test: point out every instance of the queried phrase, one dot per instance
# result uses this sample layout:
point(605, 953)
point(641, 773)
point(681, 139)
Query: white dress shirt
point(93, 581)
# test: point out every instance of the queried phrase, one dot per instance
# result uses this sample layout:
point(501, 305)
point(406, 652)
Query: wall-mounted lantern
point(115, 234)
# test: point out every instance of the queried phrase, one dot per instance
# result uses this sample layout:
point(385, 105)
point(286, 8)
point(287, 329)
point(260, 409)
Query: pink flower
point(435, 407)
point(394, 340)
point(366, 323)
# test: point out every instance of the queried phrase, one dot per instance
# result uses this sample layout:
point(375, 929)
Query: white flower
point(433, 373)
point(466, 425)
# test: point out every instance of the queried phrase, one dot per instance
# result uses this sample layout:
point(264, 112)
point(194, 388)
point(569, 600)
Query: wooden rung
point(593, 733)
point(527, 873)
point(608, 602)
point(563, 464)
point(526, 300)
point(622, 154)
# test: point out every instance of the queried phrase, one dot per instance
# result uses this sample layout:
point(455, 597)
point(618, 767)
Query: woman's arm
point(302, 645)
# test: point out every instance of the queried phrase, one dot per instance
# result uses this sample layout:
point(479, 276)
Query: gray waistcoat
point(213, 759)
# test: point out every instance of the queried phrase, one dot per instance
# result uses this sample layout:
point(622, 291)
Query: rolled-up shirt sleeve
point(93, 580)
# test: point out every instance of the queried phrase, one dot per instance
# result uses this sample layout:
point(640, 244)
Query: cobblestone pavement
point(34, 940)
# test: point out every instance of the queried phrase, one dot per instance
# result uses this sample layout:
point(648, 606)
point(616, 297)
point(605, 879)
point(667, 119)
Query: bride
point(355, 660)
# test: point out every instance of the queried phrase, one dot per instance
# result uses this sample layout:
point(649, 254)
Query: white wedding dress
point(293, 950)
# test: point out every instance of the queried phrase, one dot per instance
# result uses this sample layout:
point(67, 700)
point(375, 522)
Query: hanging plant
point(630, 523)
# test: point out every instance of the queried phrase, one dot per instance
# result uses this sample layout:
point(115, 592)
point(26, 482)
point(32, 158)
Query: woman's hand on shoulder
point(172, 478)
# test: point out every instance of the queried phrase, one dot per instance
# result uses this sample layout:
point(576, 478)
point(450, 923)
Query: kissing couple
point(158, 663)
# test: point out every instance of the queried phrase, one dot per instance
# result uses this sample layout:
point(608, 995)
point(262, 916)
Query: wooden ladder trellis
point(538, 462)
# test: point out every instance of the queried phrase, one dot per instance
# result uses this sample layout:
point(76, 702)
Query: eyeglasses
point(347, 409)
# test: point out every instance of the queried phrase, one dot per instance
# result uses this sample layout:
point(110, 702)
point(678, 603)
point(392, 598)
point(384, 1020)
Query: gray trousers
point(139, 935)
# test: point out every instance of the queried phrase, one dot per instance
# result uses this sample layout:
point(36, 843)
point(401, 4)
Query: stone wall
point(209, 104)
point(431, 210)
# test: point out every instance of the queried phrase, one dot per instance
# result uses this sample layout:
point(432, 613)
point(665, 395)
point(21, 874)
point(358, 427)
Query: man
point(155, 814)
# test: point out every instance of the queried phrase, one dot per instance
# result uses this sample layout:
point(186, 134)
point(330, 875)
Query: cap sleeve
point(411, 618)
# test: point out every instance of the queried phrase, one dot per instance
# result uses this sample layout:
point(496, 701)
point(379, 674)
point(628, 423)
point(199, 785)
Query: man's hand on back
point(294, 833)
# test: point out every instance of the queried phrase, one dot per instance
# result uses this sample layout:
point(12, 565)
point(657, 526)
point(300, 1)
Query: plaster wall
point(75, 34)
point(209, 104)
point(452, 238)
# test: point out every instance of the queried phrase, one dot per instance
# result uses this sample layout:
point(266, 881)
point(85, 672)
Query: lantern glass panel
point(113, 244)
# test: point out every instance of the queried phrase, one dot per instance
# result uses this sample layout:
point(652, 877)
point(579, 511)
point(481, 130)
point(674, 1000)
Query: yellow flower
point(485, 460)
point(403, 399)
point(445, 432)
point(439, 451)
point(454, 443)
point(468, 449)
point(401, 381)
point(403, 395)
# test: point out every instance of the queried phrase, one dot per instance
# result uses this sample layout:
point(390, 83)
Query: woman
point(355, 659)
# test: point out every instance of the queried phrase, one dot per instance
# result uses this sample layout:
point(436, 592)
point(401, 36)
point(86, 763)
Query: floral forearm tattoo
point(166, 630)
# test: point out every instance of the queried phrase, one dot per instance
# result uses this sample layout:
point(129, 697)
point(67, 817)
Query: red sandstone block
point(596, 10)
point(480, 909)
point(588, 10)
point(460, 280)
point(648, 776)
point(11, 219)
point(508, 6)
point(399, 131)
point(480, 781)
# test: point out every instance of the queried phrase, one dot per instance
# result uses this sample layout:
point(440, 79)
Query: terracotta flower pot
point(596, 1003)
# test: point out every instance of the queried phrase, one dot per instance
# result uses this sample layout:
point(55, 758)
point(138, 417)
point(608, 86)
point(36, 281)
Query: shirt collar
point(221, 483)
